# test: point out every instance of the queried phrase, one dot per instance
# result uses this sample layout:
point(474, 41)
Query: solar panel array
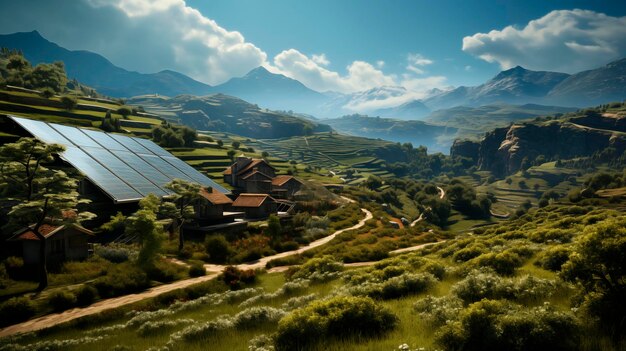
point(125, 168)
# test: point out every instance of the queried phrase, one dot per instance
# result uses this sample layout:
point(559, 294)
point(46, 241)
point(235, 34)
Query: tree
point(46, 195)
point(265, 154)
point(179, 205)
point(236, 144)
point(599, 264)
point(274, 229)
point(231, 154)
point(143, 225)
point(69, 102)
point(124, 111)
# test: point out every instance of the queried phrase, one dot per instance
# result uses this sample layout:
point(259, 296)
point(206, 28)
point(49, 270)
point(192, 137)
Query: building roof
point(252, 200)
point(215, 197)
point(228, 170)
point(282, 179)
point(47, 230)
point(255, 173)
point(255, 162)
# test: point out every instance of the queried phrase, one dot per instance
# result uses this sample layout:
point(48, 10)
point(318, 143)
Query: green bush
point(503, 263)
point(218, 249)
point(15, 310)
point(122, 279)
point(86, 295)
point(62, 300)
point(553, 258)
point(319, 269)
point(197, 270)
point(165, 271)
point(497, 325)
point(339, 317)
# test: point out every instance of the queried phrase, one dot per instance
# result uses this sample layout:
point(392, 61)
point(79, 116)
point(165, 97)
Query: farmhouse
point(250, 175)
point(256, 205)
point(212, 204)
point(67, 242)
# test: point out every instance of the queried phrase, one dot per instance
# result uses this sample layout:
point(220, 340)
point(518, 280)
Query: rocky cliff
point(503, 150)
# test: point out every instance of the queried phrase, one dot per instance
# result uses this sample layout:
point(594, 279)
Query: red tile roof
point(47, 230)
point(252, 200)
point(282, 179)
point(215, 197)
point(28, 234)
point(228, 171)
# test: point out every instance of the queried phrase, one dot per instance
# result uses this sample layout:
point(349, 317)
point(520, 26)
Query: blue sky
point(349, 30)
point(339, 45)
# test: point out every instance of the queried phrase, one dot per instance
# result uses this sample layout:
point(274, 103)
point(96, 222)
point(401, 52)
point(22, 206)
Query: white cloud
point(380, 63)
point(308, 70)
point(566, 40)
point(142, 35)
point(320, 59)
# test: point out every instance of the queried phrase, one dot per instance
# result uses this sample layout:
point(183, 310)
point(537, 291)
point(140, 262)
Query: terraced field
point(333, 152)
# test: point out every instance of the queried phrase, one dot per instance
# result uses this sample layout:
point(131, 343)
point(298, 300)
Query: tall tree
point(46, 196)
point(179, 206)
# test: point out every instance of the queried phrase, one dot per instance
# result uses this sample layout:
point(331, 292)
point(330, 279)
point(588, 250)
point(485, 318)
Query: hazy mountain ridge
point(98, 72)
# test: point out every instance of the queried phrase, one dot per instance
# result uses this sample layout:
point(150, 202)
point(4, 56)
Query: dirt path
point(368, 263)
point(212, 272)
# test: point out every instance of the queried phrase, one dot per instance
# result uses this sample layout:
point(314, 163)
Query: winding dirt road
point(212, 272)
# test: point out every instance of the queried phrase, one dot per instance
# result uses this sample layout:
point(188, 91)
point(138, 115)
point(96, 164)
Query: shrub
point(14, 267)
point(115, 253)
point(122, 279)
point(15, 310)
point(319, 269)
point(62, 300)
point(86, 295)
point(554, 258)
point(197, 270)
point(165, 271)
point(503, 263)
point(218, 249)
point(496, 325)
point(255, 316)
point(337, 317)
point(236, 278)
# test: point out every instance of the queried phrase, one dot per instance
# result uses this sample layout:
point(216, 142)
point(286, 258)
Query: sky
point(330, 45)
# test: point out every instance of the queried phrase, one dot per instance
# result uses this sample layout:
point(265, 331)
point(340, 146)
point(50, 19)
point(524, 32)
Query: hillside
point(98, 72)
point(436, 138)
point(223, 113)
point(593, 87)
point(505, 151)
point(474, 121)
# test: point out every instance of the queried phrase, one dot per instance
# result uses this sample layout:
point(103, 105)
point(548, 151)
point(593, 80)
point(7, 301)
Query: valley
point(201, 191)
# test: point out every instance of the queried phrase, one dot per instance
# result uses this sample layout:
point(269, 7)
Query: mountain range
point(516, 86)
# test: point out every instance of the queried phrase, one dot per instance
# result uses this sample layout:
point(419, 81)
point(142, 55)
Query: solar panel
point(131, 144)
point(125, 168)
point(42, 131)
point(156, 149)
point(75, 135)
point(103, 139)
point(100, 176)
point(193, 173)
point(165, 167)
point(141, 166)
point(124, 172)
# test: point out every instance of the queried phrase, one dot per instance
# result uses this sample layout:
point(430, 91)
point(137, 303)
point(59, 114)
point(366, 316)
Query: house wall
point(258, 187)
point(68, 245)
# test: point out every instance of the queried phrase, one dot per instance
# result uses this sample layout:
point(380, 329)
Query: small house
point(285, 186)
point(256, 205)
point(67, 242)
point(212, 204)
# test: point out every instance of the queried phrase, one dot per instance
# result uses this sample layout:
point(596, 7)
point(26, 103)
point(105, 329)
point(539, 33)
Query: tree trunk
point(42, 269)
point(181, 238)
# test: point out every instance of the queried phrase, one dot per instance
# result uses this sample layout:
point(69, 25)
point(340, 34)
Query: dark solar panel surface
point(125, 168)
